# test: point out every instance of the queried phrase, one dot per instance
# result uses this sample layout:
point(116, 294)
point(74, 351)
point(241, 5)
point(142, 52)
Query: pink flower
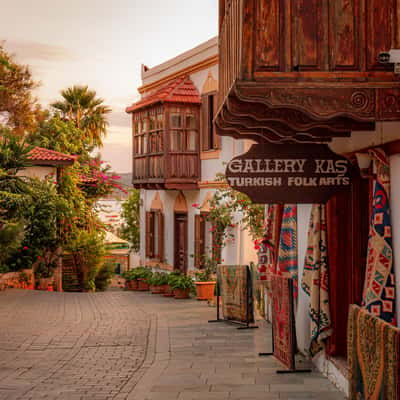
point(195, 205)
point(25, 248)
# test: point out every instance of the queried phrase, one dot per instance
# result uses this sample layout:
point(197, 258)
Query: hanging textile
point(315, 278)
point(267, 252)
point(258, 290)
point(287, 254)
point(373, 357)
point(379, 296)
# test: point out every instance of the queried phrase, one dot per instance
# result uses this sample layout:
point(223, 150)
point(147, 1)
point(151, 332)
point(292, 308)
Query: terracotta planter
point(132, 285)
point(205, 290)
point(181, 293)
point(157, 289)
point(44, 283)
point(143, 286)
point(168, 292)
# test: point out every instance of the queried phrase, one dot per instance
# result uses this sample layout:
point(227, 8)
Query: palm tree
point(81, 106)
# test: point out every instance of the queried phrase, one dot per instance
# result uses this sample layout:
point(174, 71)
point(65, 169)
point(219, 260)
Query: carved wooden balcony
point(166, 151)
point(306, 70)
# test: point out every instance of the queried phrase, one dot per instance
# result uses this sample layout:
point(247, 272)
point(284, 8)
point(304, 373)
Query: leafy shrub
point(158, 279)
point(137, 273)
point(181, 282)
point(104, 276)
point(88, 251)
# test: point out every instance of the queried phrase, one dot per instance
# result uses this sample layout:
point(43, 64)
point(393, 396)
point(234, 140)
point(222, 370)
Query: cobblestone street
point(136, 346)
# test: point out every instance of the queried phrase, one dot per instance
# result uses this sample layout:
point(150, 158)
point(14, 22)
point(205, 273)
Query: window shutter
point(161, 236)
point(197, 241)
point(149, 235)
point(205, 104)
point(202, 239)
point(217, 138)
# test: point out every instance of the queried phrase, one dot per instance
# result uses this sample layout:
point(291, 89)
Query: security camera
point(384, 58)
point(390, 57)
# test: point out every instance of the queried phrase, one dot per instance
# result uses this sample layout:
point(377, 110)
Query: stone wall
point(17, 280)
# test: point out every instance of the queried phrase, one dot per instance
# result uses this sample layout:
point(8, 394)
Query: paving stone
point(106, 346)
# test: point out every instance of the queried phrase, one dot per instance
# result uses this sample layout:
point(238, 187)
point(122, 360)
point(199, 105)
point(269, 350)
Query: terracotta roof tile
point(178, 90)
point(38, 154)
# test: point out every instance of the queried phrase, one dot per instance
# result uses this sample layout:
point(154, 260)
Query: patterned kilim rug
point(268, 252)
point(373, 356)
point(282, 320)
point(287, 256)
point(235, 290)
point(315, 278)
point(379, 296)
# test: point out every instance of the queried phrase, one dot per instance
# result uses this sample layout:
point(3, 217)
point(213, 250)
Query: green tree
point(81, 106)
point(61, 135)
point(130, 229)
point(18, 107)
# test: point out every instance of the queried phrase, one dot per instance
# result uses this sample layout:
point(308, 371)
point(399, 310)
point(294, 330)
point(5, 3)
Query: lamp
point(364, 163)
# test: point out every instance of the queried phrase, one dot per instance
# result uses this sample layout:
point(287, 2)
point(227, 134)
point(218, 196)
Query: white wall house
point(167, 204)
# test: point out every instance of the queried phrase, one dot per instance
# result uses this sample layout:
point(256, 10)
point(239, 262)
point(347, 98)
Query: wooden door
point(348, 224)
point(181, 242)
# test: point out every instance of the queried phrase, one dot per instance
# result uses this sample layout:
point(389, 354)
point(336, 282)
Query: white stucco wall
point(40, 172)
point(302, 317)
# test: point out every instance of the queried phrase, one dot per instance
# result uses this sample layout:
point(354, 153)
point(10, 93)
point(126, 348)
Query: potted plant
point(156, 283)
point(143, 275)
point(131, 282)
point(205, 279)
point(182, 285)
point(44, 275)
point(168, 291)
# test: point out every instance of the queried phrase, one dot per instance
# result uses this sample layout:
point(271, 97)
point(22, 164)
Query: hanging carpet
point(379, 296)
point(373, 356)
point(268, 251)
point(315, 279)
point(287, 254)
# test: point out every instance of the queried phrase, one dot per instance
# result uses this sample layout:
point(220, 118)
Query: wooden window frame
point(183, 143)
point(210, 141)
point(154, 217)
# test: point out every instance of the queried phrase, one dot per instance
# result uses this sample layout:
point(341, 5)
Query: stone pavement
point(135, 346)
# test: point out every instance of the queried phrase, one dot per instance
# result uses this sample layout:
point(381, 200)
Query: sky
point(102, 44)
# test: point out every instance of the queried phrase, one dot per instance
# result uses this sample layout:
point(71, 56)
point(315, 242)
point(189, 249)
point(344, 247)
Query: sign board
point(289, 173)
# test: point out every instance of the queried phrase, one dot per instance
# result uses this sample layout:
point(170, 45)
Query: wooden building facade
point(309, 71)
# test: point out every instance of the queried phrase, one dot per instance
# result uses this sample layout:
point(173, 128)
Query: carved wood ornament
point(306, 70)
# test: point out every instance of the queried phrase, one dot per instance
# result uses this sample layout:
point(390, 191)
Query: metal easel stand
point(292, 369)
point(243, 325)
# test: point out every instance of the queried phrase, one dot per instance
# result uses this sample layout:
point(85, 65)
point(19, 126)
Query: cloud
point(25, 50)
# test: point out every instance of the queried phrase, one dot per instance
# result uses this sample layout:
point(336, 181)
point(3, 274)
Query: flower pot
point(181, 293)
point(205, 290)
point(132, 285)
point(157, 289)
point(143, 286)
point(44, 283)
point(168, 292)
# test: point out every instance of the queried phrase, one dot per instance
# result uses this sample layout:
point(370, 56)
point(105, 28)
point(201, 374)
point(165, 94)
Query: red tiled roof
point(39, 154)
point(178, 90)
